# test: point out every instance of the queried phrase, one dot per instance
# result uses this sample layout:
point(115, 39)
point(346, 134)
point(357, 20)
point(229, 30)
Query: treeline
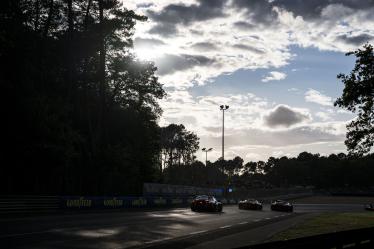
point(78, 111)
point(322, 172)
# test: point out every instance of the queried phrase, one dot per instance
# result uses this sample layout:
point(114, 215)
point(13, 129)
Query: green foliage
point(358, 97)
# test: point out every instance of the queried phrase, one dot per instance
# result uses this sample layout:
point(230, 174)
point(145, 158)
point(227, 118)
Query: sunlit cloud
point(274, 75)
point(315, 96)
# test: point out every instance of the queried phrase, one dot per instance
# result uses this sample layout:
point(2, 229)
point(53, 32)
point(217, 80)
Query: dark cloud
point(248, 48)
point(355, 40)
point(147, 42)
point(259, 11)
point(164, 29)
point(170, 63)
point(144, 5)
point(243, 25)
point(284, 116)
point(312, 9)
point(174, 14)
point(204, 46)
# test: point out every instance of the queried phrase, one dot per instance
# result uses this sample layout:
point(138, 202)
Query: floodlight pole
point(223, 108)
point(206, 154)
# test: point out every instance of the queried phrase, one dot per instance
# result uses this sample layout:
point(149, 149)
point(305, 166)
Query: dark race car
point(251, 204)
point(206, 203)
point(369, 207)
point(280, 205)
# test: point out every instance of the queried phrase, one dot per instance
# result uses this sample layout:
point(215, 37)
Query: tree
point(178, 145)
point(79, 110)
point(358, 97)
point(250, 167)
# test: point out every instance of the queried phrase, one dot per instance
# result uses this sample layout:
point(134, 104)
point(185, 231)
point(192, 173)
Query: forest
point(80, 113)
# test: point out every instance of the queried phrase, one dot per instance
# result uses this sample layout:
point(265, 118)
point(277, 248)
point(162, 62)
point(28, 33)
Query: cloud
point(246, 131)
point(170, 63)
point(274, 75)
point(163, 29)
point(174, 14)
point(204, 39)
point(356, 40)
point(258, 11)
point(148, 42)
point(285, 116)
point(313, 9)
point(315, 96)
point(243, 25)
point(293, 89)
point(248, 48)
point(243, 44)
point(204, 46)
point(324, 116)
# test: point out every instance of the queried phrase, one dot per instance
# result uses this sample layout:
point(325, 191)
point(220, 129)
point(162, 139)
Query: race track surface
point(173, 228)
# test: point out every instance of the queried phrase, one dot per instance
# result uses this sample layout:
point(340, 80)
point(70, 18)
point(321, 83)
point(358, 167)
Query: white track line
point(243, 223)
point(202, 231)
point(226, 226)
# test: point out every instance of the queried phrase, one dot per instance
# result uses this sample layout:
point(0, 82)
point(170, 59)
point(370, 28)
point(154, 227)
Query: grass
point(327, 223)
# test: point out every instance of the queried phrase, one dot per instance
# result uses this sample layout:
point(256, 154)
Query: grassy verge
point(327, 223)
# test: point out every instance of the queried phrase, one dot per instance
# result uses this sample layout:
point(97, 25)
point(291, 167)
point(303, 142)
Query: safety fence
point(358, 238)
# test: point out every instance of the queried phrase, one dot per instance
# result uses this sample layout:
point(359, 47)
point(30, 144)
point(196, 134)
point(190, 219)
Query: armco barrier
point(40, 204)
point(358, 238)
point(28, 204)
point(93, 202)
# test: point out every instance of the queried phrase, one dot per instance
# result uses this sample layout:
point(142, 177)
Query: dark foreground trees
point(78, 111)
point(358, 97)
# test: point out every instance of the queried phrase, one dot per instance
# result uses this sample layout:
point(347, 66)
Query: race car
point(251, 204)
point(280, 205)
point(369, 207)
point(206, 203)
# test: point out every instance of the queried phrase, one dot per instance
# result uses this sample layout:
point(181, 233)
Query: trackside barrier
point(119, 202)
point(358, 238)
point(40, 204)
point(28, 204)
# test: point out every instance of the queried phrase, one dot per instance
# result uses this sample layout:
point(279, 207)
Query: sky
point(274, 62)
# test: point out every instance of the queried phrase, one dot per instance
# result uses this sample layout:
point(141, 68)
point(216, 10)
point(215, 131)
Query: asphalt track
point(173, 228)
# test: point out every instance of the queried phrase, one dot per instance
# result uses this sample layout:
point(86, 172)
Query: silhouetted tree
point(80, 111)
point(178, 145)
point(358, 97)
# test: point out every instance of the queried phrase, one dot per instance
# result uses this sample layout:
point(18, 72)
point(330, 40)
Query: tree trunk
point(37, 15)
point(49, 18)
point(101, 75)
point(87, 15)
